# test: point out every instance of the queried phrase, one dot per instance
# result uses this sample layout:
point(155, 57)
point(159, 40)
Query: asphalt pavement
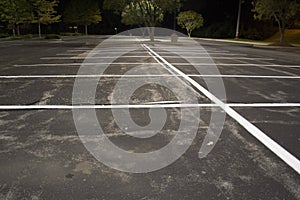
point(256, 156)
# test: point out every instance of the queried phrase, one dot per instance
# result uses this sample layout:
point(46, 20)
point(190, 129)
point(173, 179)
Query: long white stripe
point(245, 76)
point(189, 50)
point(68, 107)
point(177, 64)
point(82, 64)
point(263, 105)
point(166, 104)
point(163, 53)
point(100, 50)
point(142, 75)
point(109, 57)
point(287, 157)
point(237, 65)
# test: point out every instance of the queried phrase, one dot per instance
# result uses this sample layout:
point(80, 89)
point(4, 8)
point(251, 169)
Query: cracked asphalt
point(42, 156)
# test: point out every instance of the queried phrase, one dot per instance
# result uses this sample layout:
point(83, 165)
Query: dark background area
point(220, 18)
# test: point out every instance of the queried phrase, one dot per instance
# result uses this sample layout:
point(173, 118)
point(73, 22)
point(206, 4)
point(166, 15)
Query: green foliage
point(282, 11)
point(190, 20)
point(45, 12)
point(115, 5)
point(82, 13)
point(15, 12)
point(169, 5)
point(143, 13)
point(165, 5)
point(275, 9)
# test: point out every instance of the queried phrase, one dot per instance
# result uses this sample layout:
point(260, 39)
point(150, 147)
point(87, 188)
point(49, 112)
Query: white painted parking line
point(142, 75)
point(69, 107)
point(245, 76)
point(48, 76)
point(109, 57)
point(100, 50)
point(236, 65)
point(141, 63)
point(87, 64)
point(84, 48)
point(164, 102)
point(189, 50)
point(78, 50)
point(263, 105)
point(282, 153)
point(161, 104)
point(82, 64)
point(163, 53)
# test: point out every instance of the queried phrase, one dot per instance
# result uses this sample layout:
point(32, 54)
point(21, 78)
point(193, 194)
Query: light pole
point(238, 20)
point(116, 30)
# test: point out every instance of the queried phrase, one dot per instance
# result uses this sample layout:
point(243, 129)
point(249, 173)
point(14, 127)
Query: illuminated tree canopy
point(282, 11)
point(190, 20)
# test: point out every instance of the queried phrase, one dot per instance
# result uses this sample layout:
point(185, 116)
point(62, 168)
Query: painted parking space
point(44, 139)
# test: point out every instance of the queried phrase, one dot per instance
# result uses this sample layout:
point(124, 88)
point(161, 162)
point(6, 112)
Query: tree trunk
point(281, 26)
point(282, 30)
point(86, 29)
point(189, 32)
point(143, 32)
point(174, 22)
point(281, 35)
point(18, 30)
point(151, 33)
point(14, 31)
point(40, 32)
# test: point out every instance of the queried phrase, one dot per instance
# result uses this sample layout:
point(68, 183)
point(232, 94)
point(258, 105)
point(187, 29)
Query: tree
point(282, 11)
point(176, 8)
point(83, 13)
point(144, 13)
point(132, 15)
point(190, 20)
point(44, 12)
point(14, 13)
point(165, 5)
point(158, 10)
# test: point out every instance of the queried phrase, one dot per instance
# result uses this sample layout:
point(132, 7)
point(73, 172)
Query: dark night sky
point(213, 9)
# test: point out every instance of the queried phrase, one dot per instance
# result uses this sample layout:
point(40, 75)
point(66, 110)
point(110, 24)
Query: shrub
point(15, 38)
point(3, 35)
point(28, 36)
point(66, 34)
point(71, 34)
point(52, 37)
